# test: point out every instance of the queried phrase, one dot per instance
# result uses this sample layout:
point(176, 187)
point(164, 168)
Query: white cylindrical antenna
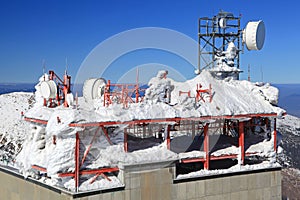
point(254, 35)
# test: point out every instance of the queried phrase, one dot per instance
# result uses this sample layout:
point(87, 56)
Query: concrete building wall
point(141, 183)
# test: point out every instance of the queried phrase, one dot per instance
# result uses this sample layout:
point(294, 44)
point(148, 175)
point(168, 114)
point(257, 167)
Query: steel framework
point(121, 94)
point(213, 37)
point(171, 124)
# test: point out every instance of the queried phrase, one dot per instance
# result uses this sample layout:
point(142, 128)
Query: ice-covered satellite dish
point(48, 89)
point(254, 35)
point(93, 88)
point(222, 23)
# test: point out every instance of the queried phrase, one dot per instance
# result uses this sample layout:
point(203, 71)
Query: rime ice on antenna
point(221, 40)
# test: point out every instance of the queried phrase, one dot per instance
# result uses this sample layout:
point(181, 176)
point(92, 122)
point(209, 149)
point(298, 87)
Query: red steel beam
point(106, 177)
point(91, 171)
point(229, 156)
point(168, 137)
point(177, 119)
point(242, 141)
point(125, 140)
point(107, 123)
point(39, 121)
point(42, 169)
point(192, 160)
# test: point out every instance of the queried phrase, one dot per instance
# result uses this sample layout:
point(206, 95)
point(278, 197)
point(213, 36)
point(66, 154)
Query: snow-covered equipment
point(93, 88)
point(221, 40)
point(55, 91)
point(48, 89)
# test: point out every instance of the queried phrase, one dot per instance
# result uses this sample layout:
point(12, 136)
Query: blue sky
point(33, 31)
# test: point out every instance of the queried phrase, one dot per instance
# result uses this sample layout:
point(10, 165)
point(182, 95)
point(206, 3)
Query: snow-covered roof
point(162, 102)
point(229, 98)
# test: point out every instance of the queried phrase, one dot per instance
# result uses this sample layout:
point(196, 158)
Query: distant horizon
point(3, 83)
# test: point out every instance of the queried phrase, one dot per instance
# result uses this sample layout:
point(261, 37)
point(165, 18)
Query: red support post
point(137, 86)
point(275, 136)
point(206, 146)
point(242, 141)
point(76, 177)
point(168, 137)
point(125, 140)
point(90, 171)
point(45, 102)
point(106, 96)
point(54, 139)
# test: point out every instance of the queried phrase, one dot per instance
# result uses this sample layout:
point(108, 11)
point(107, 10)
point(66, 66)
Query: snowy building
point(205, 127)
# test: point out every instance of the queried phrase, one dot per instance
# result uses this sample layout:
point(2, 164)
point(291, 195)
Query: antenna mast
point(249, 79)
point(66, 65)
point(44, 69)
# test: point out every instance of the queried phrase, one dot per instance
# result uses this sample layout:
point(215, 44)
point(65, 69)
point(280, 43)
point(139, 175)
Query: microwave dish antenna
point(48, 89)
point(254, 35)
point(93, 88)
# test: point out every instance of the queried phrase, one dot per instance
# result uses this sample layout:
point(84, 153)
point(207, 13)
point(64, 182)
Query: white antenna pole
point(44, 68)
point(66, 65)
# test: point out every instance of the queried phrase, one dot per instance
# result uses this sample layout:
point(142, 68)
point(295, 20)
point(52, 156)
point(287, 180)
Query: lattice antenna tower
point(221, 40)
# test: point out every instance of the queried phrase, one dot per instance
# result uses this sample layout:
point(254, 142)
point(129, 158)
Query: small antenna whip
point(44, 69)
point(66, 65)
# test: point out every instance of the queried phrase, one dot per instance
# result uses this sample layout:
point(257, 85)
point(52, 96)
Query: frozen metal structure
point(56, 90)
point(221, 40)
point(220, 37)
point(204, 127)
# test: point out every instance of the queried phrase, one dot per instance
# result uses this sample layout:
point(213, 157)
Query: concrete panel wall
point(15, 188)
point(264, 185)
point(158, 184)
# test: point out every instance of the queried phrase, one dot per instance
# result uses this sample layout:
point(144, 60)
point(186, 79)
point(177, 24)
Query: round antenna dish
point(222, 23)
point(93, 88)
point(254, 35)
point(48, 89)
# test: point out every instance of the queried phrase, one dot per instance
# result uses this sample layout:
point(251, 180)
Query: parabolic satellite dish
point(48, 89)
point(254, 35)
point(93, 88)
